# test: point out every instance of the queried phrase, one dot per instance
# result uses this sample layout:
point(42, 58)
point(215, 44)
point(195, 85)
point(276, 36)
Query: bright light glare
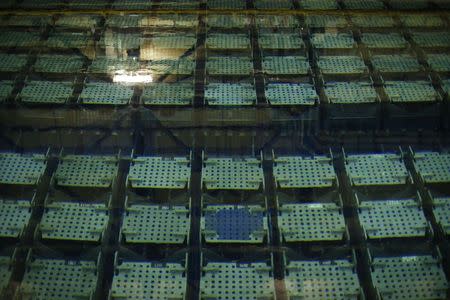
point(133, 78)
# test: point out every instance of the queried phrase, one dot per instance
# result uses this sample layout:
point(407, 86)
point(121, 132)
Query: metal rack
point(227, 21)
point(68, 40)
point(227, 41)
point(291, 94)
point(5, 272)
point(350, 92)
point(12, 62)
point(341, 65)
point(10, 39)
point(46, 92)
point(413, 91)
point(390, 40)
point(268, 4)
point(108, 65)
point(432, 167)
point(361, 4)
point(439, 62)
point(230, 94)
point(324, 21)
point(21, 169)
point(168, 94)
point(431, 39)
point(274, 21)
point(333, 41)
point(6, 88)
point(229, 65)
point(271, 41)
point(421, 21)
point(14, 217)
point(285, 65)
point(319, 4)
point(106, 94)
point(395, 63)
point(66, 64)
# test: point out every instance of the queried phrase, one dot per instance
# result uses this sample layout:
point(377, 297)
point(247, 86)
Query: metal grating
point(170, 21)
point(156, 224)
point(373, 21)
point(68, 40)
point(160, 172)
point(221, 280)
point(119, 40)
point(180, 4)
point(148, 280)
point(59, 279)
point(172, 41)
point(285, 65)
point(421, 21)
point(439, 62)
point(311, 222)
point(109, 65)
point(87, 4)
point(226, 4)
point(409, 277)
point(25, 169)
point(319, 280)
point(395, 63)
point(79, 21)
point(230, 94)
point(319, 21)
point(415, 91)
point(58, 64)
point(363, 4)
point(228, 21)
point(74, 221)
point(45, 4)
point(168, 94)
point(234, 224)
point(390, 40)
point(446, 86)
point(344, 65)
point(303, 171)
point(86, 171)
point(392, 219)
point(228, 65)
point(19, 39)
point(433, 167)
point(411, 4)
point(5, 272)
point(12, 63)
point(14, 217)
point(269, 4)
point(350, 92)
point(182, 66)
point(227, 41)
point(232, 174)
point(376, 169)
point(441, 212)
point(106, 94)
point(25, 21)
point(46, 92)
point(273, 21)
point(6, 88)
point(132, 4)
point(332, 41)
point(319, 4)
point(291, 94)
point(128, 21)
point(280, 41)
point(431, 39)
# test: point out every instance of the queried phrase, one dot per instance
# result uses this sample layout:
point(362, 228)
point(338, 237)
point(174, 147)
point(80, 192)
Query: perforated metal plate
point(363, 4)
point(226, 4)
point(286, 65)
point(446, 85)
point(180, 4)
point(395, 63)
point(234, 224)
point(319, 280)
point(56, 279)
point(341, 65)
point(230, 94)
point(128, 21)
point(319, 4)
point(145, 280)
point(228, 65)
point(431, 39)
point(74, 221)
point(376, 169)
point(409, 277)
point(170, 20)
point(421, 21)
point(132, 4)
point(106, 94)
point(156, 224)
point(291, 94)
point(168, 94)
point(332, 41)
point(392, 219)
point(46, 92)
point(182, 66)
point(173, 41)
point(221, 280)
point(78, 21)
point(14, 216)
point(67, 40)
point(159, 172)
point(433, 167)
point(439, 62)
point(415, 91)
point(390, 40)
point(274, 21)
point(325, 21)
point(5, 272)
point(43, 4)
point(87, 4)
point(373, 21)
point(311, 222)
point(350, 92)
point(303, 172)
point(227, 41)
point(6, 88)
point(119, 40)
point(108, 65)
point(441, 211)
point(23, 169)
point(58, 64)
point(411, 4)
point(232, 174)
point(12, 63)
point(19, 39)
point(227, 21)
point(86, 171)
point(25, 21)
point(280, 41)
point(269, 4)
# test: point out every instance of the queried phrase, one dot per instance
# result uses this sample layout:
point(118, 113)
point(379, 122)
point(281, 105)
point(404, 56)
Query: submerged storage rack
point(230, 94)
point(21, 169)
point(14, 217)
point(291, 94)
point(441, 212)
point(46, 92)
